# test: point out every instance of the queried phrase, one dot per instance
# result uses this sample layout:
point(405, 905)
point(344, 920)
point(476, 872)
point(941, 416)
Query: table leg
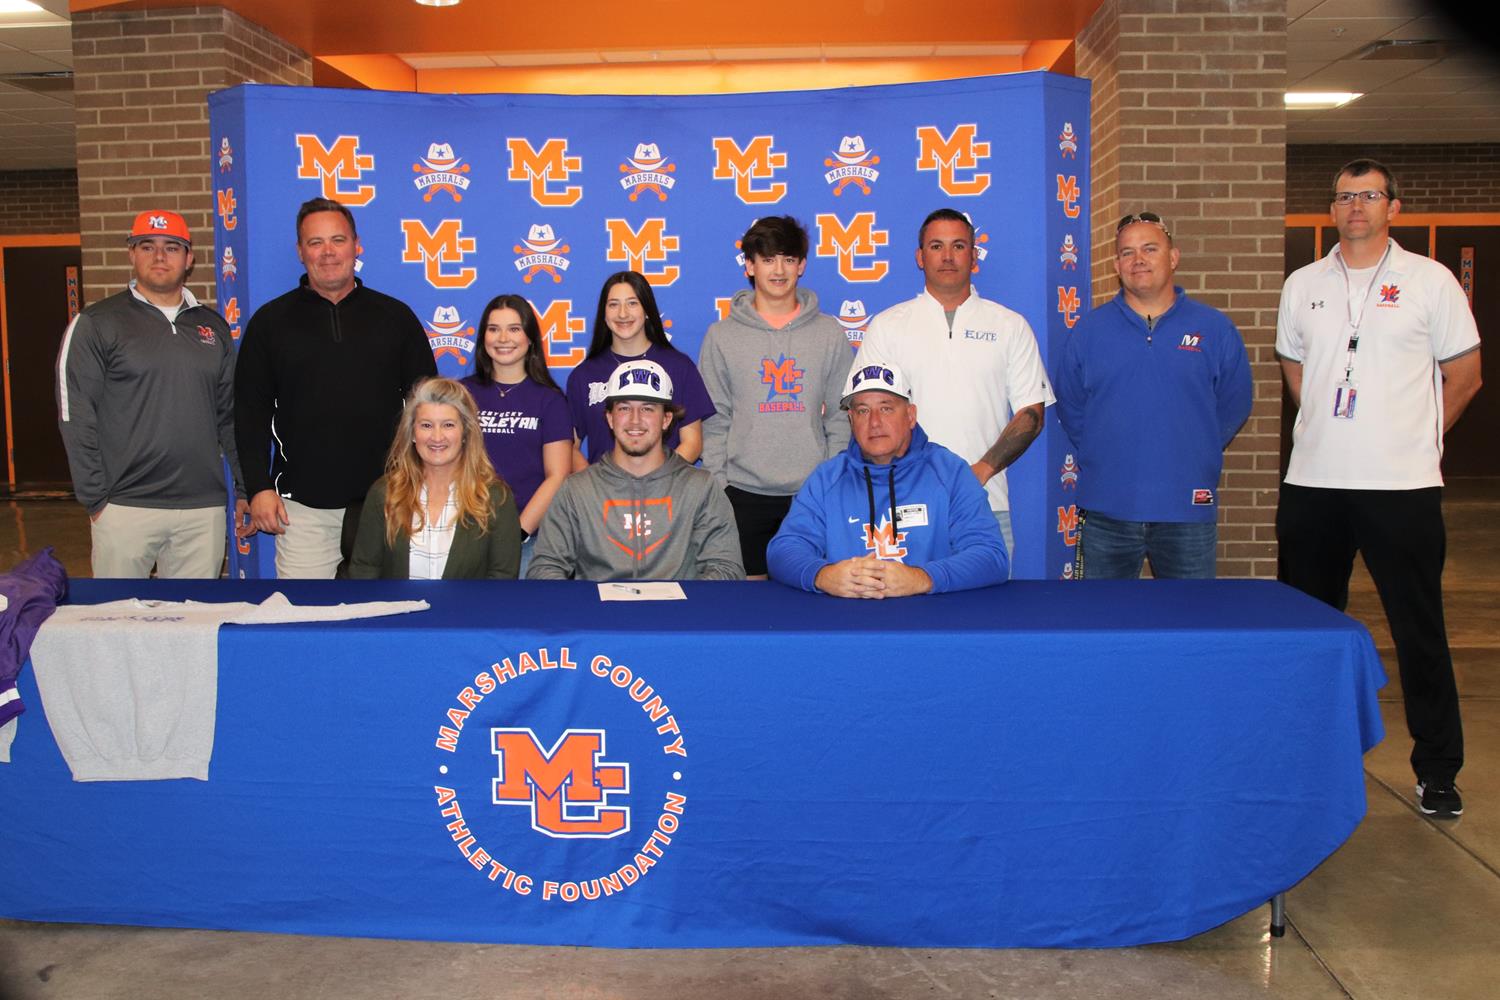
point(1278, 915)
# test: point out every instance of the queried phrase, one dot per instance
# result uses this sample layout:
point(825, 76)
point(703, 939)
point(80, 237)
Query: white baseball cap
point(640, 379)
point(875, 375)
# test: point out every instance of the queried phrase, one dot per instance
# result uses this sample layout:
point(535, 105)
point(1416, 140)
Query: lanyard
point(1356, 320)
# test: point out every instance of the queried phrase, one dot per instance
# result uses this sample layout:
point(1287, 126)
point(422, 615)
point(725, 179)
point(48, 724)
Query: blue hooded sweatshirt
point(847, 506)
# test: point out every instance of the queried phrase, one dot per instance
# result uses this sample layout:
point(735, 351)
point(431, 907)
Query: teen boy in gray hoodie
point(640, 512)
point(774, 369)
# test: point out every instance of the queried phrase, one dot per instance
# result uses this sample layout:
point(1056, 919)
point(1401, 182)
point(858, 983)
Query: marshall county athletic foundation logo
point(852, 164)
point(546, 170)
point(858, 238)
point(1067, 142)
point(226, 156)
point(338, 168)
point(647, 170)
point(785, 379)
point(752, 168)
point(448, 335)
point(1067, 254)
point(227, 268)
point(440, 170)
point(1069, 477)
point(1067, 524)
point(508, 794)
point(541, 250)
point(853, 318)
point(958, 151)
point(1389, 294)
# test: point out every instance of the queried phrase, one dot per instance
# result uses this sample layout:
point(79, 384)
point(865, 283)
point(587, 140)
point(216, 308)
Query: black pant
point(758, 517)
point(1401, 536)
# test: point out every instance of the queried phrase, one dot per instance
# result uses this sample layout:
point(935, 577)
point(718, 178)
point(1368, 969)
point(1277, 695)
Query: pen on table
point(629, 589)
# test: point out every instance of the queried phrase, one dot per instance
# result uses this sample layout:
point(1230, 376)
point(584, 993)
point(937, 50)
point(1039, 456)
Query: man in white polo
point(1381, 355)
point(145, 403)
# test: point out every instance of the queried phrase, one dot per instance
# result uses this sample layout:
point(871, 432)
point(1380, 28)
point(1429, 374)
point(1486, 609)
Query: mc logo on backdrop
point(548, 170)
point(957, 152)
point(438, 248)
point(559, 776)
point(635, 248)
point(752, 168)
point(339, 167)
point(859, 238)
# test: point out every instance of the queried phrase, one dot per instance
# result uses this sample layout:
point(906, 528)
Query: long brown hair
point(475, 476)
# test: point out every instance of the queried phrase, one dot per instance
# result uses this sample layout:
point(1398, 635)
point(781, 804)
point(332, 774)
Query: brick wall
point(1188, 121)
point(141, 85)
point(38, 201)
point(1441, 177)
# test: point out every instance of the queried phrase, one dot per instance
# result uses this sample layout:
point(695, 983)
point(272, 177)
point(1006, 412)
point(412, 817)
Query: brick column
point(1187, 121)
point(141, 84)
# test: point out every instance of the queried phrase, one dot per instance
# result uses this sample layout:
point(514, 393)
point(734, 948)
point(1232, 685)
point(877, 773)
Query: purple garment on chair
point(33, 590)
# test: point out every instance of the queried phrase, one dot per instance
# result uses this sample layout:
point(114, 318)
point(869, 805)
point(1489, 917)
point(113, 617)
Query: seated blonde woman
point(439, 512)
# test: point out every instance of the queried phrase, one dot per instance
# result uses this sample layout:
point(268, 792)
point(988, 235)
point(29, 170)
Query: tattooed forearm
point(1016, 438)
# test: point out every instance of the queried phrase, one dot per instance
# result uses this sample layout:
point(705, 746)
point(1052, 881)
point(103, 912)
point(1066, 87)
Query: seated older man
point(895, 514)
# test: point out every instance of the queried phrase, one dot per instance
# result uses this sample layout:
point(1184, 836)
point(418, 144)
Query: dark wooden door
point(36, 314)
point(1469, 449)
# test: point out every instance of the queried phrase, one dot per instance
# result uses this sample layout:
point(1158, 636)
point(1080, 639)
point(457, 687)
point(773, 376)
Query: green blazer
point(494, 555)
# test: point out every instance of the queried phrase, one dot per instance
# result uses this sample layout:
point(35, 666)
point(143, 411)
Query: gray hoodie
point(606, 524)
point(777, 396)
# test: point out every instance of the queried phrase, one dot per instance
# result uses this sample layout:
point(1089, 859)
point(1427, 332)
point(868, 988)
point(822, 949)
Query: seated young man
point(640, 512)
point(895, 514)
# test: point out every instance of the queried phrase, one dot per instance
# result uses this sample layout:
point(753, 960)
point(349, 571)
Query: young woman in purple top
point(628, 326)
point(523, 415)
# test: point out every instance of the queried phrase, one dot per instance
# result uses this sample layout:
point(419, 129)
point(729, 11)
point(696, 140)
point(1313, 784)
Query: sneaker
point(1440, 800)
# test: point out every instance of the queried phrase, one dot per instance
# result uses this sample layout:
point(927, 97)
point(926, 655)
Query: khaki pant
point(309, 547)
point(181, 544)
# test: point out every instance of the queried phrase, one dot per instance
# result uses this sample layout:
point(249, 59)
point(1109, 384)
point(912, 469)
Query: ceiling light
point(1312, 101)
point(438, 3)
point(19, 7)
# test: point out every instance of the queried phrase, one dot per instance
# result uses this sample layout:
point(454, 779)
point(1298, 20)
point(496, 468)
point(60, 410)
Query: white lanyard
point(1355, 321)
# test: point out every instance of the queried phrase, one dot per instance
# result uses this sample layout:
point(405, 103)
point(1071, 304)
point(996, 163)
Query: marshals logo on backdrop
point(755, 164)
point(853, 318)
point(649, 244)
point(957, 153)
point(852, 164)
point(541, 250)
point(560, 330)
point(227, 268)
point(226, 156)
point(441, 171)
point(449, 336)
point(547, 170)
point(1067, 142)
point(1069, 475)
point(647, 170)
point(436, 248)
point(1067, 254)
point(339, 168)
point(859, 238)
point(564, 805)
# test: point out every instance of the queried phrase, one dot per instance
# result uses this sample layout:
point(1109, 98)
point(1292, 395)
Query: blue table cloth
point(1038, 764)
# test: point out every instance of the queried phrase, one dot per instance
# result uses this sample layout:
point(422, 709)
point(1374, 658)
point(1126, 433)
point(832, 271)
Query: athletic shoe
point(1440, 800)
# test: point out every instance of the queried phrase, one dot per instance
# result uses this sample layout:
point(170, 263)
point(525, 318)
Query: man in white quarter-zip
point(973, 364)
point(1381, 355)
point(145, 403)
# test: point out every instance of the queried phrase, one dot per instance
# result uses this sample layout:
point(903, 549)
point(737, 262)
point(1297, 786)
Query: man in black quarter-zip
point(145, 382)
point(322, 374)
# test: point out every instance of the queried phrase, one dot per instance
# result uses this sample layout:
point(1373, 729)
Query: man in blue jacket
point(1151, 387)
point(892, 516)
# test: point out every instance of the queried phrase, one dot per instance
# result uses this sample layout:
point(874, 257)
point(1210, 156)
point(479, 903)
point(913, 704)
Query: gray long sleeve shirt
point(606, 524)
point(776, 393)
point(146, 404)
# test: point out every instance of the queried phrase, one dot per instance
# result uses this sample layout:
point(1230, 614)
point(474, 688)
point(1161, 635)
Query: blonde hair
point(474, 479)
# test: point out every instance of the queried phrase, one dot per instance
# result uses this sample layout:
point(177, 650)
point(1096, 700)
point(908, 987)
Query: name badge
point(1343, 400)
point(912, 515)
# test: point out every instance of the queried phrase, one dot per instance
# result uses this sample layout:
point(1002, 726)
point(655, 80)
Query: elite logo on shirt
point(1068, 303)
point(853, 318)
point(1388, 296)
point(785, 379)
point(441, 171)
point(226, 156)
point(958, 151)
point(1067, 254)
point(859, 238)
point(1191, 342)
point(227, 206)
point(1067, 524)
point(757, 161)
point(435, 248)
point(448, 334)
point(541, 250)
point(635, 248)
point(885, 542)
point(1069, 194)
point(632, 525)
point(647, 170)
point(1067, 142)
point(227, 268)
point(852, 164)
point(1203, 498)
point(540, 168)
point(336, 166)
point(560, 330)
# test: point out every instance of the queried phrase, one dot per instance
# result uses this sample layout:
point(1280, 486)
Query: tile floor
point(1408, 908)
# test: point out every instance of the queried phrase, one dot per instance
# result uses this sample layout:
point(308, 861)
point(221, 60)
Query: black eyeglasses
point(1368, 197)
point(1150, 217)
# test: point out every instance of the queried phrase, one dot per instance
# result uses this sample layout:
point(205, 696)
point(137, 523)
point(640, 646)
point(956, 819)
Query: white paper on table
point(658, 590)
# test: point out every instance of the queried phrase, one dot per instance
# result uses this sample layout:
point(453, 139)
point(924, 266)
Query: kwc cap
point(640, 379)
point(168, 225)
point(875, 376)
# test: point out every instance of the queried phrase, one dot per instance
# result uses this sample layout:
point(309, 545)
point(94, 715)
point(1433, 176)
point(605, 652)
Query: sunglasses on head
point(1150, 217)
